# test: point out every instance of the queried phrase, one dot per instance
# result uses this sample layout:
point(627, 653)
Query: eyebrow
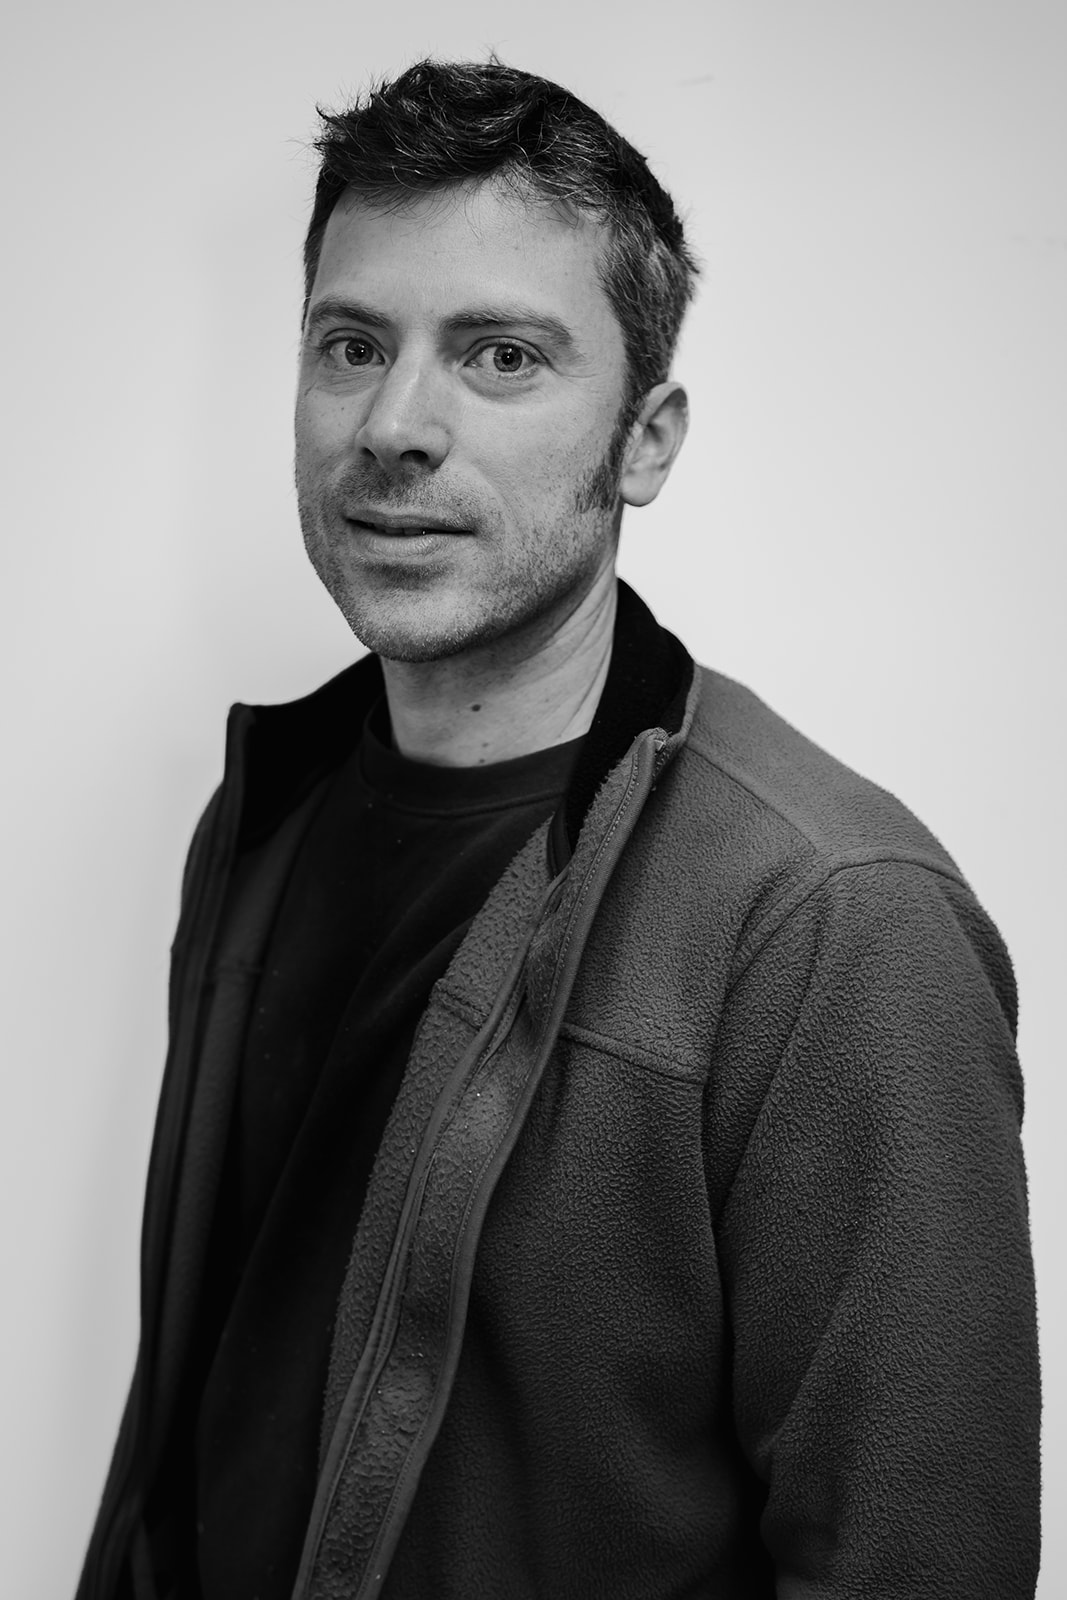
point(337, 309)
point(333, 309)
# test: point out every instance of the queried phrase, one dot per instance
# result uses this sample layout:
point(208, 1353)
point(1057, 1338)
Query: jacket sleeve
point(875, 1249)
point(106, 1571)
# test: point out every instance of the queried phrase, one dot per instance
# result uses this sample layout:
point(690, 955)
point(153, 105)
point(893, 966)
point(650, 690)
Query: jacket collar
point(647, 686)
point(289, 748)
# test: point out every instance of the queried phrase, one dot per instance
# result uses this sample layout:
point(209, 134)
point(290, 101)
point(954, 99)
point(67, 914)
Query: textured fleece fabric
point(751, 1308)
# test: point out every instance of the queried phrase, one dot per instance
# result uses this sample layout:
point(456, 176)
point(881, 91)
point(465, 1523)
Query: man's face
point(462, 373)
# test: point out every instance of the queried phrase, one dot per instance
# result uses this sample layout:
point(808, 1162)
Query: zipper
point(383, 1327)
point(647, 759)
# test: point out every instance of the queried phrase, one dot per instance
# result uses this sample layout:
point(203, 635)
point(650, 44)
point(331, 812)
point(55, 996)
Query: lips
point(407, 528)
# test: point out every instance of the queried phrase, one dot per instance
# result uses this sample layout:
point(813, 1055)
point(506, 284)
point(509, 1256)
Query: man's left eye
point(507, 358)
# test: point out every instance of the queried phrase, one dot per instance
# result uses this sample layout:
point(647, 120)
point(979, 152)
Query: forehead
point(432, 255)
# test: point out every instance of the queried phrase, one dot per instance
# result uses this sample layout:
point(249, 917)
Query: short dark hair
point(443, 123)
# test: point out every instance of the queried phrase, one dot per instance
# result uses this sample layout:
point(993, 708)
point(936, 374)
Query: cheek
point(538, 462)
point(323, 427)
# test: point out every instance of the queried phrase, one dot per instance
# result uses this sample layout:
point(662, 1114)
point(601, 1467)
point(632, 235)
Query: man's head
point(494, 286)
point(441, 124)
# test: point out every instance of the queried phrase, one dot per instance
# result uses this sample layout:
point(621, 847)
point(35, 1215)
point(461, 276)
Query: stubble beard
point(376, 623)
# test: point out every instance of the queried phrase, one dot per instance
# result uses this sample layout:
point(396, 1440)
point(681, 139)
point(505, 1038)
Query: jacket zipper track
point(383, 1327)
point(645, 765)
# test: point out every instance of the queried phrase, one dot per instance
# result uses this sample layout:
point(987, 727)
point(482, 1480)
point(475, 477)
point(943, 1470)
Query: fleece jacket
point(694, 1263)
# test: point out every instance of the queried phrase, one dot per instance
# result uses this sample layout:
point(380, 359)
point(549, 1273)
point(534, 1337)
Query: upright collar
point(289, 748)
point(647, 686)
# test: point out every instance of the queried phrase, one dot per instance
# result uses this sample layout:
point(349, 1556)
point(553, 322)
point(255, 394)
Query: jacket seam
point(793, 899)
point(667, 1066)
point(457, 1006)
point(752, 787)
point(234, 967)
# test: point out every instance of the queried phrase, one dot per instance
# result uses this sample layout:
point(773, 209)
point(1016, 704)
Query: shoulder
point(756, 762)
point(754, 822)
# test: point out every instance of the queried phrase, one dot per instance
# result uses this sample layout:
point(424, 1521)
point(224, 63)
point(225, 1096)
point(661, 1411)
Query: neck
point(510, 699)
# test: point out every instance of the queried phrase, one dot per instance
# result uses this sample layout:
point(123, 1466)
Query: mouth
point(409, 527)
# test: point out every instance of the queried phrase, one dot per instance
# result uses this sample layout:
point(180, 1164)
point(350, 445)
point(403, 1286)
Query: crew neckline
point(425, 786)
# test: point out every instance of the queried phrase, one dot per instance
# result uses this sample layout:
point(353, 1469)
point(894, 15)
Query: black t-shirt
point(395, 864)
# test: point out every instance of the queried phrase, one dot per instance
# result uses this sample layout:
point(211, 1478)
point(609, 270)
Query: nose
point(406, 424)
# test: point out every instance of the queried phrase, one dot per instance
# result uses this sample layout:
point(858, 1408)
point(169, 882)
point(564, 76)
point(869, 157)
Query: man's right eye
point(350, 352)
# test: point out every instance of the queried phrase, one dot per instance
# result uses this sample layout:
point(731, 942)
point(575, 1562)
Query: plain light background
point(867, 524)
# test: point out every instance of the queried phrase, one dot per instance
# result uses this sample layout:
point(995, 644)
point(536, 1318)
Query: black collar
point(647, 685)
point(289, 748)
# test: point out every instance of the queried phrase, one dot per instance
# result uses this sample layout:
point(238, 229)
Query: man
point(588, 1157)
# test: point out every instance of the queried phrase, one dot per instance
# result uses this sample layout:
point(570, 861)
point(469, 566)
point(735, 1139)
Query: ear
point(655, 439)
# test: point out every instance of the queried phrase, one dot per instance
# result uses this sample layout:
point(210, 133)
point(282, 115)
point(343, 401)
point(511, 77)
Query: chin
point(414, 633)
